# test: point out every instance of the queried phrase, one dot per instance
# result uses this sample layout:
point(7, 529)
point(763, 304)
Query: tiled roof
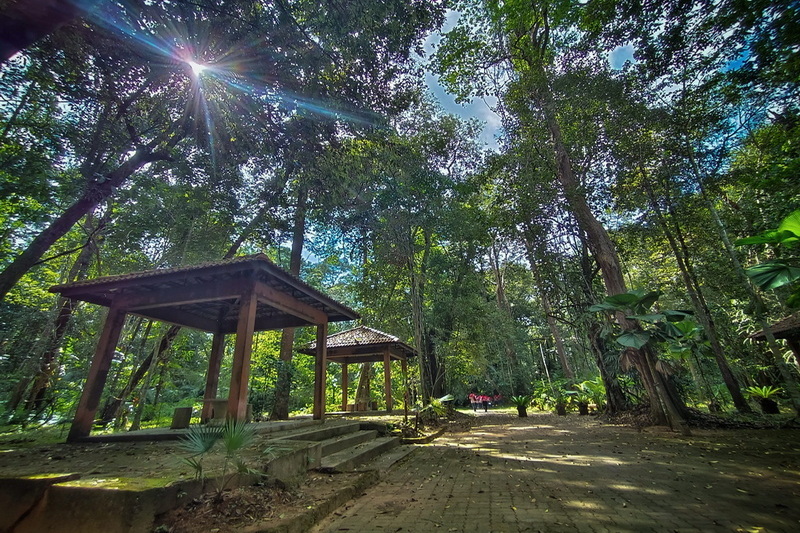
point(207, 296)
point(164, 272)
point(360, 336)
point(362, 340)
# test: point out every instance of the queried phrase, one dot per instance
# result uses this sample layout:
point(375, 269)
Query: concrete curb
point(304, 521)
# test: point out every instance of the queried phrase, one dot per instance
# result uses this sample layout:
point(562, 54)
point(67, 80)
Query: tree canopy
point(632, 230)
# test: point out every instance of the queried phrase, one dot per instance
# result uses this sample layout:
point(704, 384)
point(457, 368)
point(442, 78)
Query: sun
point(197, 68)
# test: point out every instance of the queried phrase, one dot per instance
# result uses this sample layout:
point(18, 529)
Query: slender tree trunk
point(755, 300)
point(789, 380)
point(95, 192)
point(666, 408)
point(283, 384)
point(115, 400)
point(681, 253)
point(363, 392)
point(430, 375)
point(137, 417)
point(616, 401)
point(548, 310)
point(40, 383)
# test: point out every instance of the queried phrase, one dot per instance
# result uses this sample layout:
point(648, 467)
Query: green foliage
point(778, 273)
point(592, 391)
point(765, 392)
point(522, 401)
point(201, 440)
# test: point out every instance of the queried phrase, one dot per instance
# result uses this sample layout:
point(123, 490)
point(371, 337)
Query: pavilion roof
point(206, 296)
point(786, 328)
point(363, 344)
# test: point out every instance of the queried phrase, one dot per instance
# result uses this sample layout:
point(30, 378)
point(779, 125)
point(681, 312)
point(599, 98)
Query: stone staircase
point(346, 446)
point(70, 503)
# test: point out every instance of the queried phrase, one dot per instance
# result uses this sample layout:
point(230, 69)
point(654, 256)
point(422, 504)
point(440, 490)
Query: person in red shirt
point(474, 401)
point(485, 403)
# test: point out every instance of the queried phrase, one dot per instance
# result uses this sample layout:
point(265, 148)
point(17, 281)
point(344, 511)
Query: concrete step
point(349, 440)
point(347, 460)
point(320, 432)
point(387, 460)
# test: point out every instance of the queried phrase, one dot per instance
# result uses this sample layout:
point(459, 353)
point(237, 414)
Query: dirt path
point(548, 473)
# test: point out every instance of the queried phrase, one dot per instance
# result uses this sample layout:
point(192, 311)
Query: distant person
point(485, 403)
point(474, 401)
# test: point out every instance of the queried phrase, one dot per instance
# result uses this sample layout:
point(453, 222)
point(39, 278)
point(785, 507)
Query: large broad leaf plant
point(782, 271)
point(658, 326)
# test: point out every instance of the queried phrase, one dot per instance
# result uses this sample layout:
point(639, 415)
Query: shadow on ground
point(548, 473)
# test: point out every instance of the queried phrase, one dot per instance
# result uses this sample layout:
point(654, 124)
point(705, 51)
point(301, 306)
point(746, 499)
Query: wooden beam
point(240, 370)
point(98, 373)
point(289, 304)
point(387, 379)
point(320, 364)
point(186, 294)
point(404, 368)
point(212, 377)
point(345, 377)
point(179, 318)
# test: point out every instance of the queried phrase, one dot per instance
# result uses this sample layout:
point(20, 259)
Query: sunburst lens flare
point(197, 68)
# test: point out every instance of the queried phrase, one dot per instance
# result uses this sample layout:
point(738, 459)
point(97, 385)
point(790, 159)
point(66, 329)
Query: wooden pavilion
point(367, 345)
point(241, 295)
point(788, 329)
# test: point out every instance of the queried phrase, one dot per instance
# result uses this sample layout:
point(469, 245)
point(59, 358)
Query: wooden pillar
point(212, 378)
point(320, 365)
point(404, 367)
point(345, 384)
point(387, 379)
point(240, 370)
point(98, 372)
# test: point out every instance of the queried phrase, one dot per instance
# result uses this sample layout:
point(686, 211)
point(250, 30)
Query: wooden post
point(320, 365)
point(345, 376)
point(212, 378)
point(387, 379)
point(404, 367)
point(240, 370)
point(98, 373)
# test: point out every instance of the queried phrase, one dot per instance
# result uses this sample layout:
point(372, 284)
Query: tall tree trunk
point(430, 374)
point(363, 392)
point(283, 384)
point(96, 192)
point(665, 407)
point(616, 401)
point(681, 252)
point(530, 248)
point(139, 411)
point(756, 302)
point(502, 301)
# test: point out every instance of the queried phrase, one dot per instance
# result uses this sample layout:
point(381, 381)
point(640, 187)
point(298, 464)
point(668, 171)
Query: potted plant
point(582, 400)
point(558, 400)
point(522, 403)
point(764, 396)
